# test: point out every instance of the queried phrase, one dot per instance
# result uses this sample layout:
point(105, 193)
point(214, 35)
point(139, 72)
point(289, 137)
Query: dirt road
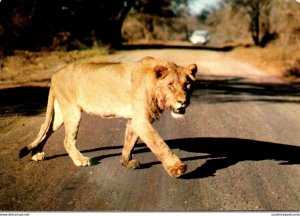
point(240, 139)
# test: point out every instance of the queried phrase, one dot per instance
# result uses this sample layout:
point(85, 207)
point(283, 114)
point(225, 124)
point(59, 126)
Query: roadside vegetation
point(264, 33)
point(277, 48)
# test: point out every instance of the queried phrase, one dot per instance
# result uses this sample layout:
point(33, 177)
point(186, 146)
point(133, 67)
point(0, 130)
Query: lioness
point(139, 91)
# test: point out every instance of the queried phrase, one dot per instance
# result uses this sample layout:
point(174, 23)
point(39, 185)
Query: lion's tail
point(44, 128)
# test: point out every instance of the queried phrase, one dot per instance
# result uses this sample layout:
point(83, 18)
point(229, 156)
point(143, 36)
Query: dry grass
point(36, 68)
point(281, 56)
point(292, 71)
point(277, 60)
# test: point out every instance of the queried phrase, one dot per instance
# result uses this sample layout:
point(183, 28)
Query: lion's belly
point(105, 106)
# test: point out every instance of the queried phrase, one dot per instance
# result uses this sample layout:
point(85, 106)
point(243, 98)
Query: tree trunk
point(255, 23)
point(255, 33)
point(115, 36)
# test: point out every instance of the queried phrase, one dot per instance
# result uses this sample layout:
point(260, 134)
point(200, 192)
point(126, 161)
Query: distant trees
point(155, 20)
point(32, 24)
point(37, 24)
point(164, 8)
point(258, 12)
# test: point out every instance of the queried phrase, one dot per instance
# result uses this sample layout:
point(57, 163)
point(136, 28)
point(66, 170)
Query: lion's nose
point(182, 102)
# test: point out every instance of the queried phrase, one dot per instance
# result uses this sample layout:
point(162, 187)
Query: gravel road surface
point(240, 140)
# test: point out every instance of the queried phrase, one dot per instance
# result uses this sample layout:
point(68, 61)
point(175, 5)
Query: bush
point(293, 70)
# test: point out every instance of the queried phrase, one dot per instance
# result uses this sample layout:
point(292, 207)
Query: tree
point(106, 19)
point(258, 12)
point(32, 24)
point(154, 13)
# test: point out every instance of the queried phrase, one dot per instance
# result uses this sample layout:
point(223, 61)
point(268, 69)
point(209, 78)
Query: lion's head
point(174, 87)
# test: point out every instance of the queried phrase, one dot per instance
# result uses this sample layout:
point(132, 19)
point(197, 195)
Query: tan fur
point(139, 91)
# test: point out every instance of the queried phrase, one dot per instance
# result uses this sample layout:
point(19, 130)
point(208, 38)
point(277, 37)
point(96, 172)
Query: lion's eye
point(171, 85)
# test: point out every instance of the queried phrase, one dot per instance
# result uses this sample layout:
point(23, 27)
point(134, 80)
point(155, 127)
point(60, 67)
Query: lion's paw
point(131, 164)
point(38, 156)
point(82, 161)
point(177, 169)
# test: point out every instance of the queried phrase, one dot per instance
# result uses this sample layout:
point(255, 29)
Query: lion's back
point(99, 88)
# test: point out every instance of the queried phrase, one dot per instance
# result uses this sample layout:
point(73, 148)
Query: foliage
point(156, 20)
point(258, 13)
point(32, 24)
point(162, 8)
point(293, 69)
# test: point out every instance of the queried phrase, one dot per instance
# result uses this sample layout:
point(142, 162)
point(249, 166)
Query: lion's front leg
point(131, 139)
point(171, 163)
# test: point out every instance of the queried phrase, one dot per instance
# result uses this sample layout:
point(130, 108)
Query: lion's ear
point(160, 71)
point(191, 71)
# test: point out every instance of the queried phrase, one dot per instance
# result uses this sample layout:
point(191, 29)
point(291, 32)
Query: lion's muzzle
point(180, 108)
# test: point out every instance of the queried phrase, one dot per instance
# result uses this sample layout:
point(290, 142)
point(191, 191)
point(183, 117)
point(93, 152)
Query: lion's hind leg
point(56, 123)
point(131, 139)
point(71, 127)
point(53, 121)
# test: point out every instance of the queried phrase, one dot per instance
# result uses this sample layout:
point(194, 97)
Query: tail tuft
point(24, 151)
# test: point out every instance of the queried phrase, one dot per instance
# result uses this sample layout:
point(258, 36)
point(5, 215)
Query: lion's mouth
point(180, 110)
